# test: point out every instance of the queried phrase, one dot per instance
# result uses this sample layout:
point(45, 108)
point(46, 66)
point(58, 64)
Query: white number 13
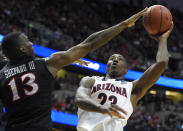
point(31, 83)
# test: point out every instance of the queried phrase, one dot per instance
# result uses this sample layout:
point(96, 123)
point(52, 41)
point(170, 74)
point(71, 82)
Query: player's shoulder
point(126, 82)
point(98, 77)
point(39, 61)
point(87, 80)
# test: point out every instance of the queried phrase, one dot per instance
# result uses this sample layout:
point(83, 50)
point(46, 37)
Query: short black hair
point(11, 45)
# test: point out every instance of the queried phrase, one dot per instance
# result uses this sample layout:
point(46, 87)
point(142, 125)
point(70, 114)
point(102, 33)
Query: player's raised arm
point(152, 74)
point(94, 41)
point(84, 101)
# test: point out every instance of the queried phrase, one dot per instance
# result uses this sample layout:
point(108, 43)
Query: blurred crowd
point(61, 24)
point(64, 92)
point(155, 113)
point(164, 120)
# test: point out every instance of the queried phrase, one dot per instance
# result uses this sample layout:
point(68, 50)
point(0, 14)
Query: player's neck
point(109, 77)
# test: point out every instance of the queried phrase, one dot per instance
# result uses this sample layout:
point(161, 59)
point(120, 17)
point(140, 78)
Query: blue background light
point(64, 118)
point(99, 67)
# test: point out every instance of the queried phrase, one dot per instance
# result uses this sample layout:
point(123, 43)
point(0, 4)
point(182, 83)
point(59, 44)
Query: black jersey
point(25, 89)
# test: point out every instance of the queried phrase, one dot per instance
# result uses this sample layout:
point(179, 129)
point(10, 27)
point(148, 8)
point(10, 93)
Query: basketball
point(157, 20)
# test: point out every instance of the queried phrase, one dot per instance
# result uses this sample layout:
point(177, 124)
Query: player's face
point(27, 45)
point(116, 66)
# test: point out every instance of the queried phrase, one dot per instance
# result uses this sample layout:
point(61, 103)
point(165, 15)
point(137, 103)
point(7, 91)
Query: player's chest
point(112, 91)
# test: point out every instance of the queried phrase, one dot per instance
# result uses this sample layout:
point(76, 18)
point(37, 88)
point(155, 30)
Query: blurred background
point(61, 24)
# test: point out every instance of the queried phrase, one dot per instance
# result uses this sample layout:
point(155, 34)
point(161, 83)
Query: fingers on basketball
point(144, 11)
point(141, 13)
point(135, 17)
point(167, 33)
point(171, 27)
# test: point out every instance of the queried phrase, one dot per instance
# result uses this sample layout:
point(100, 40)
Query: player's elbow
point(59, 59)
point(166, 62)
point(163, 63)
point(78, 101)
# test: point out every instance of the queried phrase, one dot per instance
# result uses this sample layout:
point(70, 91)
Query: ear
point(126, 70)
point(23, 49)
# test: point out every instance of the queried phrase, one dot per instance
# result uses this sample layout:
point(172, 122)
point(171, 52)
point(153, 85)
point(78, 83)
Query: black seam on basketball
point(150, 19)
point(160, 19)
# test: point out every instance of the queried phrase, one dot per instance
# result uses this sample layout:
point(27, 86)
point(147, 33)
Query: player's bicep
point(147, 80)
point(134, 100)
point(64, 58)
point(152, 74)
point(58, 59)
point(77, 51)
point(82, 93)
point(87, 82)
point(84, 89)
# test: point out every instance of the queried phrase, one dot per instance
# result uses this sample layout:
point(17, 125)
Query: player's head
point(16, 45)
point(116, 66)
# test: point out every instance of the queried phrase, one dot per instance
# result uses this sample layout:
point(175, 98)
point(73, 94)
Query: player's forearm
point(88, 104)
point(152, 74)
point(100, 38)
point(162, 54)
point(93, 42)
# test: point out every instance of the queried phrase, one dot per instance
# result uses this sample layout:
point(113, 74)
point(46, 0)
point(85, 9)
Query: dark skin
point(116, 69)
point(116, 66)
point(29, 49)
point(60, 59)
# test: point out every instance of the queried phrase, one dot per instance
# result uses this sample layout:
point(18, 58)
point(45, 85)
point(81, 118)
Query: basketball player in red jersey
point(98, 97)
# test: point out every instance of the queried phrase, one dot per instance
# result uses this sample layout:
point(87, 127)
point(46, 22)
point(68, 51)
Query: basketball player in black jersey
point(25, 81)
point(116, 69)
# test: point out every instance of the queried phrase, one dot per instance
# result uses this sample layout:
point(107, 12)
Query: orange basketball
point(157, 20)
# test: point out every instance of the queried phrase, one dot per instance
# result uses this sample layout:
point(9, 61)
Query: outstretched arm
point(152, 74)
point(94, 41)
point(84, 101)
